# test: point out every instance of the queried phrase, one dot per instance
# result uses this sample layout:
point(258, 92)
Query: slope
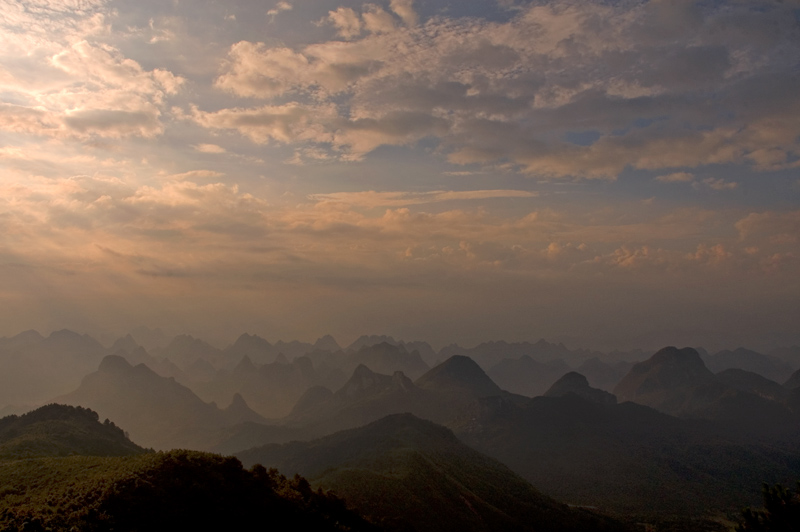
point(61, 430)
point(407, 472)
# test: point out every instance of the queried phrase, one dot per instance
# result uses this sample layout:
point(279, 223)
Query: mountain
point(604, 375)
point(386, 358)
point(158, 411)
point(439, 395)
point(253, 347)
point(34, 368)
point(793, 382)
point(424, 349)
point(489, 354)
point(271, 389)
point(754, 383)
point(150, 338)
point(61, 430)
point(184, 350)
point(625, 458)
point(666, 381)
point(575, 383)
point(461, 376)
point(767, 366)
point(407, 473)
point(327, 343)
point(676, 381)
point(161, 492)
point(365, 397)
point(526, 376)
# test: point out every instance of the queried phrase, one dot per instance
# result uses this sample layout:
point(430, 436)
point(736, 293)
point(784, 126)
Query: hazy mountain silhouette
point(426, 352)
point(677, 382)
point(793, 382)
point(271, 389)
point(526, 376)
point(61, 430)
point(34, 368)
point(407, 473)
point(489, 354)
point(157, 411)
point(604, 375)
point(365, 397)
point(575, 383)
point(767, 366)
point(184, 350)
point(439, 395)
point(627, 458)
point(754, 383)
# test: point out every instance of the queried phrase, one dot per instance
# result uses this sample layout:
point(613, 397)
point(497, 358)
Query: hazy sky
point(445, 170)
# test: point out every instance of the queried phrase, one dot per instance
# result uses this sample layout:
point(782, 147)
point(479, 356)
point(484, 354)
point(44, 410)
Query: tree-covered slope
point(61, 430)
point(178, 490)
point(410, 473)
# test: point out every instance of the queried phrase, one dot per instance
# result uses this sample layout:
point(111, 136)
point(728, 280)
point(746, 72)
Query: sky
point(610, 174)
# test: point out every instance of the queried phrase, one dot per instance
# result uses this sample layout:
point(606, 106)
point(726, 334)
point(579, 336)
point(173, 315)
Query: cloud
point(279, 8)
point(283, 123)
point(676, 177)
point(196, 174)
point(347, 22)
point(372, 199)
point(719, 184)
point(510, 92)
point(405, 10)
point(209, 148)
point(770, 226)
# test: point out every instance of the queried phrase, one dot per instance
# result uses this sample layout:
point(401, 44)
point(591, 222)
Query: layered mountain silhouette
point(157, 411)
point(767, 366)
point(273, 389)
point(677, 382)
point(408, 473)
point(526, 376)
point(575, 383)
point(625, 458)
point(34, 368)
point(438, 395)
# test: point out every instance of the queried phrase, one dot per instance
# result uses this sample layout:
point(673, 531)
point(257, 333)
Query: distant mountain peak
point(245, 365)
point(364, 379)
point(460, 372)
point(575, 383)
point(114, 364)
point(327, 343)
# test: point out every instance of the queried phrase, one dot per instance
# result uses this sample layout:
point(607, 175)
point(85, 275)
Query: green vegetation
point(60, 430)
point(411, 474)
point(177, 490)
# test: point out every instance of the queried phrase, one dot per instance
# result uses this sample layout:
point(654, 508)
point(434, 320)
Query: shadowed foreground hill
point(178, 490)
point(413, 474)
point(61, 430)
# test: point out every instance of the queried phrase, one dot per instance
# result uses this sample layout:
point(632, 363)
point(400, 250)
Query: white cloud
point(405, 10)
point(348, 23)
point(279, 8)
point(209, 148)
